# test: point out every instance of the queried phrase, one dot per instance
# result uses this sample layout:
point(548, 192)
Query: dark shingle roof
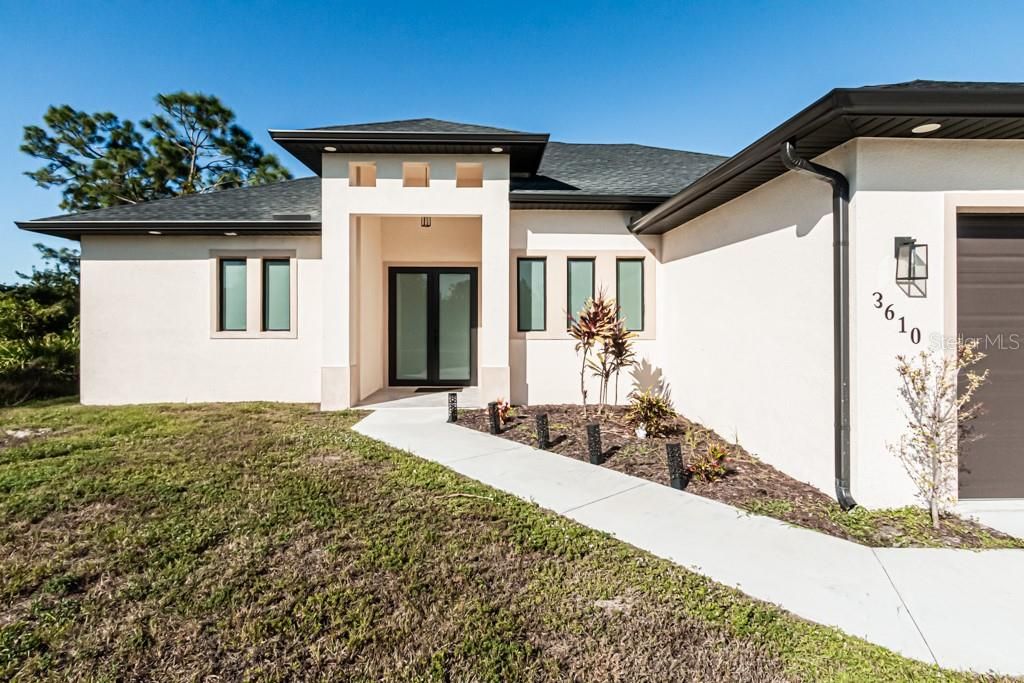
point(254, 203)
point(615, 169)
point(420, 126)
point(923, 85)
point(567, 169)
point(570, 174)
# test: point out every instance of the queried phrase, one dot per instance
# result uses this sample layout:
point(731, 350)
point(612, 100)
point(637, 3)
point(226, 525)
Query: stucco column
point(493, 336)
point(336, 373)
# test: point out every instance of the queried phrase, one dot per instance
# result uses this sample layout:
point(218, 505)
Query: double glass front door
point(432, 325)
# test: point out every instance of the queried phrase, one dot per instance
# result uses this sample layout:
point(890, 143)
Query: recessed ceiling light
point(330, 149)
point(926, 128)
point(231, 234)
point(155, 232)
point(497, 149)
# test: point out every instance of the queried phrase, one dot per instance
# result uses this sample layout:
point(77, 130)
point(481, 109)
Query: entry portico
point(369, 229)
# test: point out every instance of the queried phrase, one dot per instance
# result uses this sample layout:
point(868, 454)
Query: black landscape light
point(453, 406)
point(543, 434)
point(677, 474)
point(594, 443)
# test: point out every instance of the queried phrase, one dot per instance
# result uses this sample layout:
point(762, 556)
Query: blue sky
point(708, 77)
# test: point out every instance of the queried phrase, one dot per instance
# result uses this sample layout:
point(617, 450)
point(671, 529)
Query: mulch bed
point(749, 484)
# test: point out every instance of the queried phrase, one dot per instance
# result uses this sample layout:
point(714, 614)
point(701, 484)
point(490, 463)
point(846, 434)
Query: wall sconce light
point(425, 222)
point(911, 266)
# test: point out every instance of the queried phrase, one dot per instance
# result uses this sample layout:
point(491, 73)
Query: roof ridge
point(382, 123)
point(419, 125)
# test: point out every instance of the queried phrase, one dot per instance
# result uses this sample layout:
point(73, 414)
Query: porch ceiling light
point(925, 128)
point(330, 149)
point(497, 149)
point(155, 232)
point(911, 265)
point(425, 222)
point(231, 234)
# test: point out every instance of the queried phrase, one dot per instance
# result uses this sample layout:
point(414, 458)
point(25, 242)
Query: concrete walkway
point(960, 609)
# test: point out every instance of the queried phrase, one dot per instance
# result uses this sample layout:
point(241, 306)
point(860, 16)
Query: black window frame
point(569, 313)
point(221, 325)
point(544, 296)
point(264, 299)
point(643, 290)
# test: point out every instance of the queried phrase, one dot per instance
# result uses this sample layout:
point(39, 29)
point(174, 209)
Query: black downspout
point(840, 310)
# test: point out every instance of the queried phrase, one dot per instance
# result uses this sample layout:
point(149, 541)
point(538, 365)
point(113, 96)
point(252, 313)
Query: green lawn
point(270, 542)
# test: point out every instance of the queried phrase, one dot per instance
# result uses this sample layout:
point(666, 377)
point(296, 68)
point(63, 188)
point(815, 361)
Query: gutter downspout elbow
point(840, 311)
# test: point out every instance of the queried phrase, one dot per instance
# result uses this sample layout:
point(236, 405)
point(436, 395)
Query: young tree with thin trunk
point(938, 388)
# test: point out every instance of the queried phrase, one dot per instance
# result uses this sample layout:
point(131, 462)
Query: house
point(770, 291)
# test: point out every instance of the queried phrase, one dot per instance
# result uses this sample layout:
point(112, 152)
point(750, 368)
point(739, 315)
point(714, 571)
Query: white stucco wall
point(370, 308)
point(910, 188)
point(545, 366)
point(147, 333)
point(745, 311)
point(745, 302)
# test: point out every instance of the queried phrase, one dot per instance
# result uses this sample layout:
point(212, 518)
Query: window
point(579, 286)
point(277, 283)
point(629, 292)
point(531, 294)
point(415, 174)
point(252, 294)
point(232, 295)
point(362, 174)
point(469, 175)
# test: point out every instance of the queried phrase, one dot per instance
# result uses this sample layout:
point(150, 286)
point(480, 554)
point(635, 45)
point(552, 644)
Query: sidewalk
point(956, 608)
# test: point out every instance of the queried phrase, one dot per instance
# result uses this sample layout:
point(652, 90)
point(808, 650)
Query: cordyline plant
point(938, 388)
point(620, 348)
point(591, 325)
point(614, 354)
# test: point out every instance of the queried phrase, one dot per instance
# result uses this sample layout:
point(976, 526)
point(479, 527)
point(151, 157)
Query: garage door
point(990, 307)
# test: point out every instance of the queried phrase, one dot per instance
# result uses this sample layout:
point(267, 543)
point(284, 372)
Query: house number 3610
point(890, 314)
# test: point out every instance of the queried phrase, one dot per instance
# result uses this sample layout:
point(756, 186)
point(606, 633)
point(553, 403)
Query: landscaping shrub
point(649, 411)
point(39, 330)
point(710, 465)
point(616, 353)
point(506, 412)
point(591, 325)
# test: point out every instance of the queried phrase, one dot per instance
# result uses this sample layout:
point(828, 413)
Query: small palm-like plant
point(614, 353)
point(619, 347)
point(592, 324)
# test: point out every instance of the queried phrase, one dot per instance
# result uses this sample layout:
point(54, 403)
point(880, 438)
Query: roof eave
point(315, 135)
point(524, 149)
point(840, 102)
point(554, 200)
point(75, 229)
